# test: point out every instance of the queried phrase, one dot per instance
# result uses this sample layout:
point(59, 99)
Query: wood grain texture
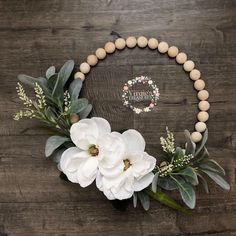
point(35, 34)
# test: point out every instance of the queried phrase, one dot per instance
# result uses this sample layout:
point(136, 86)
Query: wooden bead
point(181, 58)
point(100, 53)
point(92, 60)
point(142, 41)
point(173, 51)
point(131, 42)
point(203, 116)
point(163, 47)
point(152, 43)
point(110, 47)
point(84, 67)
point(203, 95)
point(120, 43)
point(79, 75)
point(204, 105)
point(195, 74)
point(196, 137)
point(200, 127)
point(188, 65)
point(74, 118)
point(199, 84)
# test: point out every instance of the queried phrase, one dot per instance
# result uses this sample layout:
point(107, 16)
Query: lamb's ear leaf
point(135, 199)
point(53, 143)
point(144, 200)
point(74, 89)
point(167, 183)
point(78, 105)
point(190, 145)
point(154, 182)
point(31, 81)
point(217, 179)
point(50, 71)
point(204, 140)
point(85, 112)
point(189, 175)
point(212, 164)
point(204, 182)
point(62, 78)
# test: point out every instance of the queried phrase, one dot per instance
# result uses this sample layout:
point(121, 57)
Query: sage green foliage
point(184, 169)
point(56, 99)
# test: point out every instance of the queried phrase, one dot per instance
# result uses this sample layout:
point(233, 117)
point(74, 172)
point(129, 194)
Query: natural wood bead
point(100, 53)
point(79, 75)
point(188, 65)
point(74, 118)
point(120, 43)
point(204, 105)
point(92, 60)
point(152, 43)
point(142, 41)
point(200, 126)
point(173, 51)
point(199, 84)
point(181, 58)
point(131, 42)
point(84, 67)
point(110, 47)
point(195, 74)
point(203, 95)
point(203, 116)
point(163, 47)
point(196, 137)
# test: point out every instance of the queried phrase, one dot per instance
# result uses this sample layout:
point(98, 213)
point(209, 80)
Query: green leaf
point(62, 78)
point(166, 183)
point(56, 155)
point(204, 140)
point(212, 163)
point(217, 179)
point(53, 143)
point(135, 199)
point(190, 145)
point(31, 81)
point(78, 105)
point(189, 175)
point(187, 193)
point(50, 71)
point(52, 81)
point(74, 89)
point(154, 183)
point(167, 201)
point(204, 183)
point(144, 200)
point(85, 112)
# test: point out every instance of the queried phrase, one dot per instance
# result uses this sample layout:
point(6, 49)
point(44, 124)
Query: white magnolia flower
point(93, 142)
point(132, 173)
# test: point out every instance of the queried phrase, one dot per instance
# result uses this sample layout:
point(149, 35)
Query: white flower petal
point(82, 131)
point(143, 182)
point(90, 167)
point(83, 181)
point(134, 141)
point(102, 124)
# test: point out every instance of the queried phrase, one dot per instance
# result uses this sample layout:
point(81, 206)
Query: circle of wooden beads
point(162, 47)
point(154, 94)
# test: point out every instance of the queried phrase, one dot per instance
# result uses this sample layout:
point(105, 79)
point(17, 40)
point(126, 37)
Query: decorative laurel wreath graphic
point(86, 150)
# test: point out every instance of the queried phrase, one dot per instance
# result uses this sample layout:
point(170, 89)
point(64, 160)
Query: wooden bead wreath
point(86, 150)
point(173, 52)
point(154, 94)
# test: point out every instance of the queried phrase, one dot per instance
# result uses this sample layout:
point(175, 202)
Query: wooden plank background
point(37, 33)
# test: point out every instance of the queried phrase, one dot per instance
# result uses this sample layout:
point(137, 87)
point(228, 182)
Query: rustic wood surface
point(37, 33)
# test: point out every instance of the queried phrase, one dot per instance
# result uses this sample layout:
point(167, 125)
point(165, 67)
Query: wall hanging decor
point(87, 151)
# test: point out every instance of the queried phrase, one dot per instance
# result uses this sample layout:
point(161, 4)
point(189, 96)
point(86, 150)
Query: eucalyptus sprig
point(183, 169)
point(56, 102)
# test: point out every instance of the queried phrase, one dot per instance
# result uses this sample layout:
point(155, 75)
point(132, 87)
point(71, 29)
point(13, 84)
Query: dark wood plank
point(36, 34)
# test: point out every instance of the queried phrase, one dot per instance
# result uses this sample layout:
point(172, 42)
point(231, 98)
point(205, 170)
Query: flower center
point(93, 150)
point(127, 164)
